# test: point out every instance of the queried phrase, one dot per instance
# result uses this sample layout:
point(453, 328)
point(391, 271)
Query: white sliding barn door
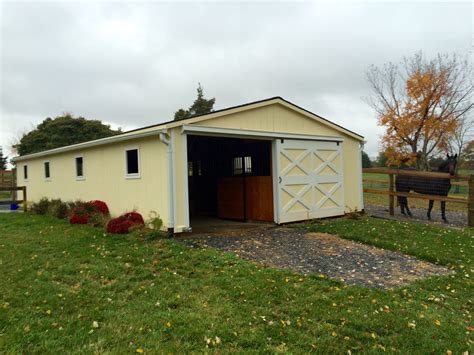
point(309, 179)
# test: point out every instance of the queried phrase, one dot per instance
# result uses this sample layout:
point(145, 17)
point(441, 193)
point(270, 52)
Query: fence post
point(470, 203)
point(391, 197)
point(25, 208)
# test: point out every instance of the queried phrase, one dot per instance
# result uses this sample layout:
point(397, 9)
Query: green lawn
point(5, 195)
point(75, 289)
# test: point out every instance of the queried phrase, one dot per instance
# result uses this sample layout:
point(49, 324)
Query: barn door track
point(322, 254)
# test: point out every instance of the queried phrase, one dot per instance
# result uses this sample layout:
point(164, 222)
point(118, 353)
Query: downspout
point(165, 138)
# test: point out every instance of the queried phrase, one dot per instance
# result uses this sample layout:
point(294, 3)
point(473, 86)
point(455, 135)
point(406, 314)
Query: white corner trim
point(184, 138)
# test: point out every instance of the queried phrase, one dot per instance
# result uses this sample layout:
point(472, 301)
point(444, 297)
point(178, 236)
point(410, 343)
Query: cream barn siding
point(104, 171)
point(276, 118)
point(104, 160)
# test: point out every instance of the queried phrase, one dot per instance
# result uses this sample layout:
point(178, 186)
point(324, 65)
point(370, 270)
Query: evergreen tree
point(200, 106)
point(366, 162)
point(381, 160)
point(61, 131)
point(3, 160)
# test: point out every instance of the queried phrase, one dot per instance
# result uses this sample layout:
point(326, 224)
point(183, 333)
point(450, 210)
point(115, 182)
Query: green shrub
point(154, 221)
point(151, 229)
point(99, 220)
point(40, 207)
point(58, 208)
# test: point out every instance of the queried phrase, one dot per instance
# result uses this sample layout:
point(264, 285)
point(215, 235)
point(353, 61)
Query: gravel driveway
point(455, 218)
point(321, 253)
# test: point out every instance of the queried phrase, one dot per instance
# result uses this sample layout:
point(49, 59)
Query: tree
point(468, 156)
point(3, 160)
point(421, 104)
point(61, 131)
point(462, 136)
point(199, 107)
point(381, 160)
point(366, 162)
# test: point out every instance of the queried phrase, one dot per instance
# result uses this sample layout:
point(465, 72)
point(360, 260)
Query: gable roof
point(153, 129)
point(249, 106)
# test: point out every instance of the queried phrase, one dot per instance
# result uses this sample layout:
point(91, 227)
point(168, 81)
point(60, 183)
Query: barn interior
point(229, 178)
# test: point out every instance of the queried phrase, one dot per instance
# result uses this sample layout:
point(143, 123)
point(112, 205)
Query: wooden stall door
point(230, 198)
point(259, 198)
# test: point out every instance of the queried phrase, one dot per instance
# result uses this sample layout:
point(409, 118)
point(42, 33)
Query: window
point(132, 163)
point(241, 163)
point(248, 165)
point(25, 172)
point(79, 168)
point(47, 172)
point(237, 166)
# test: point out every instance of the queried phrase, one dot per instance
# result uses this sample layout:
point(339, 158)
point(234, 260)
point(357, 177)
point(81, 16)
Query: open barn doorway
point(229, 178)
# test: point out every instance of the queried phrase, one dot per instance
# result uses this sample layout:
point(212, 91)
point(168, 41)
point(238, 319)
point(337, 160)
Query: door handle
point(279, 179)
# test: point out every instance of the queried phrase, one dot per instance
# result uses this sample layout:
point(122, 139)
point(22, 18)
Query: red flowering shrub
point(100, 206)
point(79, 219)
point(80, 214)
point(122, 224)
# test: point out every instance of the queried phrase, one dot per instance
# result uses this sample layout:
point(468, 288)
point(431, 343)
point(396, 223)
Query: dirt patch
point(295, 249)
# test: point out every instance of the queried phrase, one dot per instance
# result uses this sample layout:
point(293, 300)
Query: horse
point(428, 186)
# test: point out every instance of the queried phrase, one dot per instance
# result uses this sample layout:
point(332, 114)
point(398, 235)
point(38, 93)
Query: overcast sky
point(134, 64)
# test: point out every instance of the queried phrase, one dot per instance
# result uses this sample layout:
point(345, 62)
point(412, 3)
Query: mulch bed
point(321, 253)
point(455, 218)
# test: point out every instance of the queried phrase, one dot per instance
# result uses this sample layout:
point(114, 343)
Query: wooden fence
point(7, 178)
point(462, 180)
point(14, 198)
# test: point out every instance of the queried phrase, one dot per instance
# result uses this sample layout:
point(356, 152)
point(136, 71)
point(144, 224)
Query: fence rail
point(7, 178)
point(14, 199)
point(390, 191)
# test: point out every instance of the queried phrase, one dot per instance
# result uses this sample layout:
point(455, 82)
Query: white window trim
point(44, 170)
point(83, 177)
point(132, 176)
point(27, 172)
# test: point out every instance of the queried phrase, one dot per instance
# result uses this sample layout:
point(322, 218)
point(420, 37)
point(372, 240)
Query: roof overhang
point(90, 144)
point(250, 134)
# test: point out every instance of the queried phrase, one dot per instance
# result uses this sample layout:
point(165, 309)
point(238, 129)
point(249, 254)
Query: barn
point(269, 160)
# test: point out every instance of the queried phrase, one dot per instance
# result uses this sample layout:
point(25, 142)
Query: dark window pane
point(132, 161)
point(25, 172)
point(248, 165)
point(79, 167)
point(237, 166)
point(46, 170)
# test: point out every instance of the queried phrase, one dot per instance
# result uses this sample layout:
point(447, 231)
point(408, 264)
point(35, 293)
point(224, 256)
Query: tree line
point(424, 105)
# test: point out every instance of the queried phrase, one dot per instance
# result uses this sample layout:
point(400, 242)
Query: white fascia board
point(94, 143)
point(242, 133)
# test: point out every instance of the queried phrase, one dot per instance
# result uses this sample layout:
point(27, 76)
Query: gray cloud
point(135, 64)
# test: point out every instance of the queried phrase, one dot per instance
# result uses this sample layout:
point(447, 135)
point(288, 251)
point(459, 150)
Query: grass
point(5, 195)
point(75, 289)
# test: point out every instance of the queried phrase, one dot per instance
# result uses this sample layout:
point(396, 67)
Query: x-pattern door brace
point(326, 162)
point(328, 195)
point(297, 198)
point(295, 162)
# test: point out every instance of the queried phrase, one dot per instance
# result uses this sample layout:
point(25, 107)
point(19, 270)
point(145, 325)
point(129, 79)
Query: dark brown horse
point(428, 186)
